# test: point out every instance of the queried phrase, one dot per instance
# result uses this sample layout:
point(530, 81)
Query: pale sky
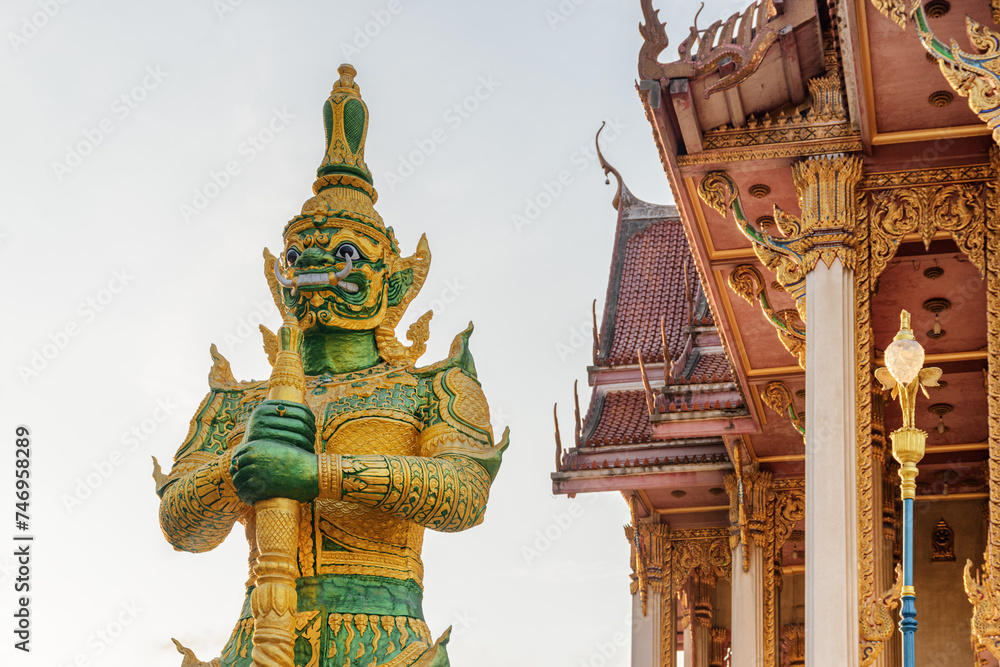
point(152, 150)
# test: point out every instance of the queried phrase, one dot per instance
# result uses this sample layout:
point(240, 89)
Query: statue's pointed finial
point(346, 81)
point(345, 116)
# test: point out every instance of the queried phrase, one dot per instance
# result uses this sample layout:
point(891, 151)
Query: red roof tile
point(575, 464)
point(651, 286)
point(623, 419)
point(711, 368)
point(653, 276)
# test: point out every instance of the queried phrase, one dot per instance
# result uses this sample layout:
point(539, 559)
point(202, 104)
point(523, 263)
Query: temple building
point(832, 163)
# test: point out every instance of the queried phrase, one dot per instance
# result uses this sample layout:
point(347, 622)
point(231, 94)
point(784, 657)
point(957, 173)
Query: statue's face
point(359, 299)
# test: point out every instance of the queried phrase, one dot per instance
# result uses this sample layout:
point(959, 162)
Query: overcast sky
point(152, 149)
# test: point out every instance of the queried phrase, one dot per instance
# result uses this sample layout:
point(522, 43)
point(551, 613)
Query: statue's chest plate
point(377, 412)
point(374, 412)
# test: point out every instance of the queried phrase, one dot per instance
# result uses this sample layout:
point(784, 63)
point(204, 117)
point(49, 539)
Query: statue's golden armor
point(396, 448)
point(417, 451)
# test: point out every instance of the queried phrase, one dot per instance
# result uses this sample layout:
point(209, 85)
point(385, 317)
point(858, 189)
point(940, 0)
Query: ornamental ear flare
point(389, 347)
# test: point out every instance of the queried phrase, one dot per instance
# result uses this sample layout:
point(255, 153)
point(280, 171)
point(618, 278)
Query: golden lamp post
point(903, 374)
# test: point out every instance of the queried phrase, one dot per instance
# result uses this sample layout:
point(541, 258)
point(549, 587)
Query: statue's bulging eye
point(292, 255)
point(346, 250)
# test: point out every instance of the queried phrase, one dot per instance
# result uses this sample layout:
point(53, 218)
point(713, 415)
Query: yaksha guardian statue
point(336, 464)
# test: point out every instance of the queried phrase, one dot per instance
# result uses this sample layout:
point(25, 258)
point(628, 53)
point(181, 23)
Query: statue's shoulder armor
point(220, 417)
point(456, 414)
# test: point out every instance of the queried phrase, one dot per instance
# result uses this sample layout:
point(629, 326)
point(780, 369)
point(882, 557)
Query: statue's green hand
point(265, 469)
point(276, 458)
point(283, 421)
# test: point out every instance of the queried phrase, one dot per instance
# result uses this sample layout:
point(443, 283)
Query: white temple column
point(646, 632)
point(688, 644)
point(832, 634)
point(702, 644)
point(747, 633)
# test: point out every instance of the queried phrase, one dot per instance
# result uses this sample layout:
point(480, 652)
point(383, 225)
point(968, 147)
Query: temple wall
point(943, 610)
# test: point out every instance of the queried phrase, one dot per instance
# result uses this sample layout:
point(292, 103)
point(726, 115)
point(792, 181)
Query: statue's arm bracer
point(446, 488)
point(198, 502)
point(446, 493)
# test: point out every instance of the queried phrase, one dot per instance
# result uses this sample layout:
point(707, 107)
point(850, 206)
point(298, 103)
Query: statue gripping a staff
point(336, 464)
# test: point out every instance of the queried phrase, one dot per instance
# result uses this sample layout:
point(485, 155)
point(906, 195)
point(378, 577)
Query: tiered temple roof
point(653, 418)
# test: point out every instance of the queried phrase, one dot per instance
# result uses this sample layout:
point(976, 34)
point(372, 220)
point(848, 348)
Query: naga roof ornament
point(608, 169)
point(742, 40)
point(971, 75)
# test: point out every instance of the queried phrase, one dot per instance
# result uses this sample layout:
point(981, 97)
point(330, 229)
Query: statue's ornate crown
point(345, 194)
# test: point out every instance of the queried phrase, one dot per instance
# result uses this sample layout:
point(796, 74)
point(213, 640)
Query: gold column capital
point(750, 495)
point(826, 187)
point(701, 587)
point(650, 558)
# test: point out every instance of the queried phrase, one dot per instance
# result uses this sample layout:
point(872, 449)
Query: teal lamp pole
point(903, 374)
